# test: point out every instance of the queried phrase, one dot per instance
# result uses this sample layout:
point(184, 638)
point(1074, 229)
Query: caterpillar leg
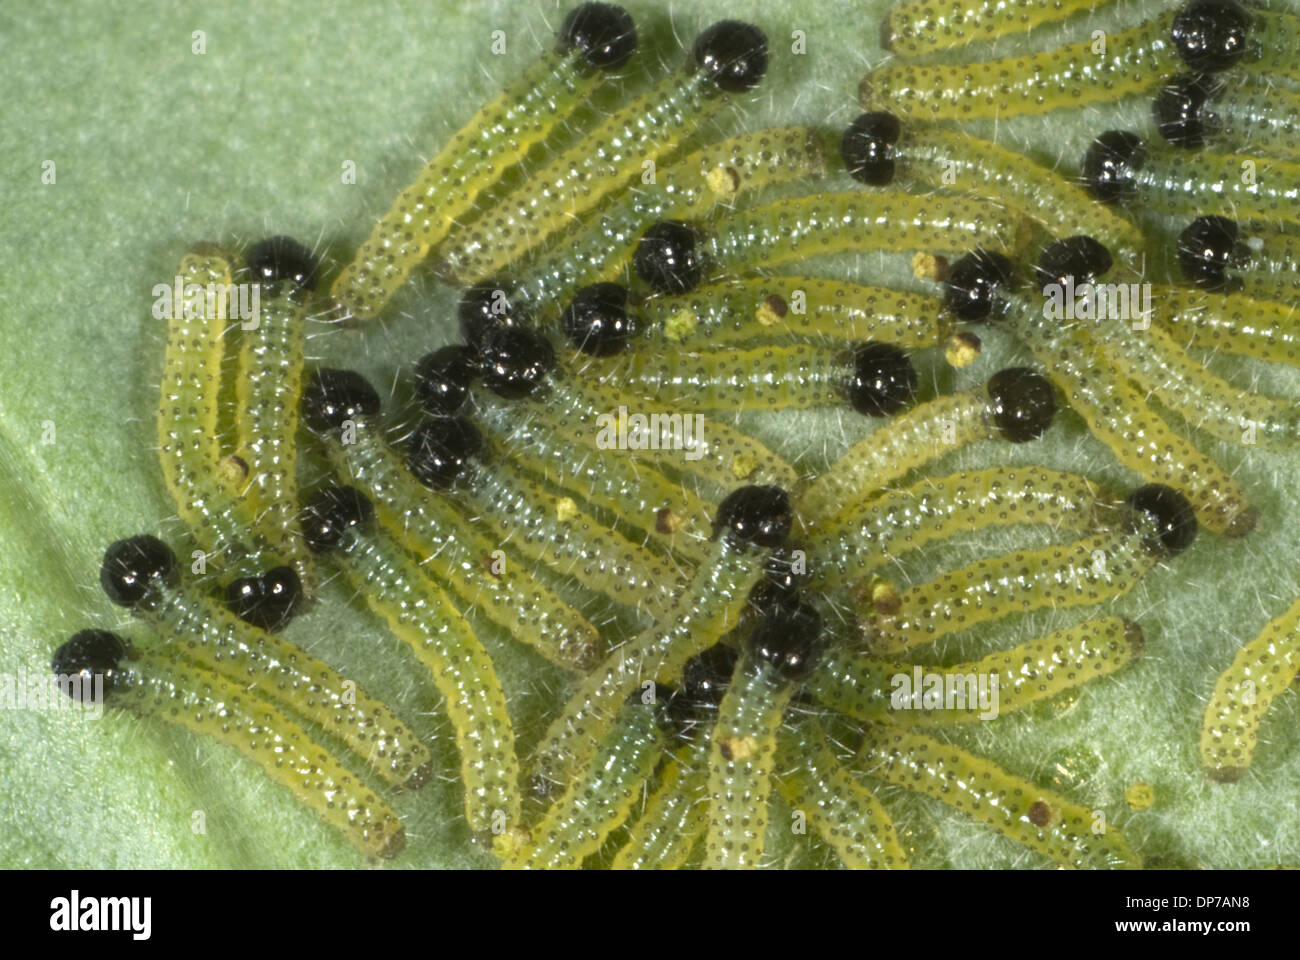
point(421, 615)
point(206, 704)
point(1039, 820)
point(1261, 671)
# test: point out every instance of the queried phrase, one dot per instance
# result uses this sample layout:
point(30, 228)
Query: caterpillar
point(425, 619)
point(205, 703)
point(140, 572)
point(729, 58)
point(535, 415)
point(1041, 820)
point(1158, 523)
point(1214, 255)
point(673, 257)
point(862, 537)
point(1204, 35)
point(917, 27)
point(1119, 167)
point(1262, 670)
point(878, 149)
point(1040, 669)
point(595, 39)
point(1196, 110)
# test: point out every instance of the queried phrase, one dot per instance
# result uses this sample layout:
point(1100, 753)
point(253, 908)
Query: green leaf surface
point(156, 147)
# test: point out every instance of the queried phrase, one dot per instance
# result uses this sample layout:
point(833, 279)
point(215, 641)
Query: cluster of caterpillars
point(764, 634)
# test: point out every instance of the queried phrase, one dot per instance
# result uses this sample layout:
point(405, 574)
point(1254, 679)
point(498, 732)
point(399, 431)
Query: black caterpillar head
point(867, 148)
point(759, 515)
point(602, 33)
point(1111, 165)
point(733, 55)
point(1211, 35)
point(332, 512)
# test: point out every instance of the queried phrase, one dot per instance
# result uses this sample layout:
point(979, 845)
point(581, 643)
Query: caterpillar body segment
point(863, 537)
point(737, 312)
point(1155, 362)
point(601, 798)
point(675, 817)
point(1040, 820)
point(844, 813)
point(457, 554)
point(189, 438)
point(209, 705)
point(423, 617)
point(1261, 671)
point(885, 691)
point(742, 755)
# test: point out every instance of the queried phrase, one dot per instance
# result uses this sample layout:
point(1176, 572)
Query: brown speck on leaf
point(1040, 813)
